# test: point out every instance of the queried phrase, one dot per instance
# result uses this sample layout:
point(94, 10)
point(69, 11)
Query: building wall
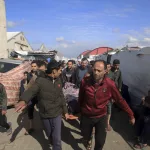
point(18, 43)
point(3, 36)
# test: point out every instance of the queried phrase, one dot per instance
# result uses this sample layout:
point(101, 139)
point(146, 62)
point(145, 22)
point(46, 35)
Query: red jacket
point(93, 98)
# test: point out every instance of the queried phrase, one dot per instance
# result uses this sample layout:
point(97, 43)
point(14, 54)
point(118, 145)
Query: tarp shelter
point(11, 80)
point(135, 67)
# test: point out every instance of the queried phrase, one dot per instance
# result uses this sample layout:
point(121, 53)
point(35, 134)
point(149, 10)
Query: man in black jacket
point(37, 65)
point(51, 102)
point(68, 73)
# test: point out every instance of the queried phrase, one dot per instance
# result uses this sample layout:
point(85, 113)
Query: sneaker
point(87, 144)
point(9, 131)
point(50, 146)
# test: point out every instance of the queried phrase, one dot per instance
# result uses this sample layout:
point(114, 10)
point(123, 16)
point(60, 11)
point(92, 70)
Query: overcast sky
point(73, 26)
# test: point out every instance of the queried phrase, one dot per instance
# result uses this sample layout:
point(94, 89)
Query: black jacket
point(50, 97)
point(64, 75)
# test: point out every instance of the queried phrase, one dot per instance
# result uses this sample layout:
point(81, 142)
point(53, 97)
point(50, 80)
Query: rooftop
point(10, 35)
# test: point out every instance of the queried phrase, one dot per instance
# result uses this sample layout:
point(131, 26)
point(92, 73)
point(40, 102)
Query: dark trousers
point(3, 121)
point(100, 130)
point(143, 129)
point(31, 108)
point(53, 131)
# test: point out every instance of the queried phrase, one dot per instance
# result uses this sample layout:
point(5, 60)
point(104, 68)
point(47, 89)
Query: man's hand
point(4, 112)
point(66, 116)
point(20, 106)
point(132, 121)
point(78, 115)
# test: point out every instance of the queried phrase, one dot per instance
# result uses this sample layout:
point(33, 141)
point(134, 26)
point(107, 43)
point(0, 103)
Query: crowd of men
point(100, 87)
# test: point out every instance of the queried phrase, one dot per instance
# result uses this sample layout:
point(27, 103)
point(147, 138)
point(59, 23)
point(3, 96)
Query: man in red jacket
point(95, 93)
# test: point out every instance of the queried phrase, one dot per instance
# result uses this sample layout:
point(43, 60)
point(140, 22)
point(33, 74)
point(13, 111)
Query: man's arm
point(64, 76)
point(73, 76)
point(22, 89)
point(120, 101)
point(76, 78)
point(65, 110)
point(31, 92)
point(32, 81)
point(116, 77)
point(120, 81)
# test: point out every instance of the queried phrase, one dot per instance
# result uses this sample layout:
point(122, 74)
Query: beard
point(97, 78)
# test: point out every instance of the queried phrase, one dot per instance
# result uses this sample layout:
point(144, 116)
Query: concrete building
point(16, 41)
point(3, 37)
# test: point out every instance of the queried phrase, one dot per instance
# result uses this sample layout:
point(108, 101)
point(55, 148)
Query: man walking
point(81, 71)
point(51, 103)
point(36, 67)
point(117, 74)
point(110, 75)
point(68, 73)
point(94, 95)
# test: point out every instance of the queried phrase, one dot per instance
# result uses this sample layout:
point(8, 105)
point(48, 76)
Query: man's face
point(84, 64)
point(116, 66)
point(34, 67)
point(108, 67)
point(98, 71)
point(43, 68)
point(57, 72)
point(70, 65)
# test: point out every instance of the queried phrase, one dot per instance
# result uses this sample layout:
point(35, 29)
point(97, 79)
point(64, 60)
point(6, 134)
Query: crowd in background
point(45, 82)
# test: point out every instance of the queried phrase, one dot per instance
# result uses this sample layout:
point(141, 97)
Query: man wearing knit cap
point(117, 74)
point(51, 103)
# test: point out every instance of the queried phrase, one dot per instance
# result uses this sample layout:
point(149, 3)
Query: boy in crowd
point(110, 75)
